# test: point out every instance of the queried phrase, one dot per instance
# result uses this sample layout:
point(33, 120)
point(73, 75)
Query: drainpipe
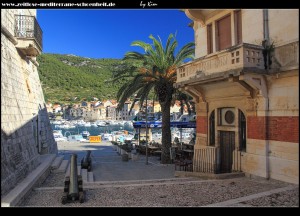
point(266, 25)
point(267, 142)
point(267, 40)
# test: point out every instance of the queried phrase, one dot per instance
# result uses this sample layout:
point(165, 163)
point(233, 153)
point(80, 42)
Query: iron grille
point(28, 27)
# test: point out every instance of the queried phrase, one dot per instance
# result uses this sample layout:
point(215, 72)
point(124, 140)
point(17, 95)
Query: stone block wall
point(25, 127)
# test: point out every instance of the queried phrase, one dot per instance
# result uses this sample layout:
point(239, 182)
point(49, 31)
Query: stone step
point(68, 171)
point(90, 177)
point(79, 170)
point(56, 163)
point(63, 166)
point(149, 181)
point(133, 183)
point(84, 174)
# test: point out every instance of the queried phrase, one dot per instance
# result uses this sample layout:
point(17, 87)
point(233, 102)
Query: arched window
point(212, 129)
point(242, 131)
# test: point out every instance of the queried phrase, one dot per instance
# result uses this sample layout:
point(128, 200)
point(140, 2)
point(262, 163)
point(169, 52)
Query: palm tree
point(184, 100)
point(157, 72)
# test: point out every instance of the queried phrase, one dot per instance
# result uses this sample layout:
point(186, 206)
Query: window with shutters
point(238, 26)
point(209, 39)
point(223, 33)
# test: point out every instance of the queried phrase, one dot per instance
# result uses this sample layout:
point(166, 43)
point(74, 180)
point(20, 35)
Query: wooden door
point(227, 144)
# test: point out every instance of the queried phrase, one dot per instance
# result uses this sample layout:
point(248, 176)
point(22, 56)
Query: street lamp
point(146, 133)
point(135, 99)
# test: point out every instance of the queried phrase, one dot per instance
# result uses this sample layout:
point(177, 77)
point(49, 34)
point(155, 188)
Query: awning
point(157, 124)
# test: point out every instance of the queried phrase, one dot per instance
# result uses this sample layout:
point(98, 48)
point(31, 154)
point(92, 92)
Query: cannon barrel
point(86, 162)
point(73, 187)
point(87, 157)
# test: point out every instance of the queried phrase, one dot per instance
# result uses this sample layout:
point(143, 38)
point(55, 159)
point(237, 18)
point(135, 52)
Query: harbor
point(181, 131)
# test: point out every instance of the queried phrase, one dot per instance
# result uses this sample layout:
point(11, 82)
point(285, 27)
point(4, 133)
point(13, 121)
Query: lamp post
point(146, 127)
point(138, 116)
point(146, 133)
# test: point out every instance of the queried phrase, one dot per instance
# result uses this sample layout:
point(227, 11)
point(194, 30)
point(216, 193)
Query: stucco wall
point(253, 35)
point(253, 18)
point(284, 26)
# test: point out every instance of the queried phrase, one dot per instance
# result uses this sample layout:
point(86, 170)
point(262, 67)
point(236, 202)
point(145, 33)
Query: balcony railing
point(27, 27)
point(237, 57)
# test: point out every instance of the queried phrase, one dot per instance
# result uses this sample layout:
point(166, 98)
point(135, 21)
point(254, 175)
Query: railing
point(208, 160)
point(205, 160)
point(236, 160)
point(237, 57)
point(27, 27)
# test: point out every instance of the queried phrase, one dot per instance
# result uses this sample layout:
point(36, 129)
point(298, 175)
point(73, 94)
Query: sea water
point(94, 131)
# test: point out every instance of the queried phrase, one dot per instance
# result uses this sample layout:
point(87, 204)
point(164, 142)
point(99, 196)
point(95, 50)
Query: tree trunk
point(166, 132)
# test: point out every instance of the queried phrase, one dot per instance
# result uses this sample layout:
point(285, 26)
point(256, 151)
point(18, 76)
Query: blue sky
point(108, 33)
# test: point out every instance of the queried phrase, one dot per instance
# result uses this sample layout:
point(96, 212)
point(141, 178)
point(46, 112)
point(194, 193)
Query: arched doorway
point(232, 138)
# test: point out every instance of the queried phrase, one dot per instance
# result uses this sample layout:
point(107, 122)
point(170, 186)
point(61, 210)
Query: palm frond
point(185, 52)
point(159, 49)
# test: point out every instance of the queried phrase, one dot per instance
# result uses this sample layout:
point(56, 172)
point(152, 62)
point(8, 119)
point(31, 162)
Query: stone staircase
point(63, 166)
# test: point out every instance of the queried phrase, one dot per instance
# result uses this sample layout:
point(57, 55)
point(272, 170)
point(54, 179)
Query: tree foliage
point(67, 78)
point(157, 71)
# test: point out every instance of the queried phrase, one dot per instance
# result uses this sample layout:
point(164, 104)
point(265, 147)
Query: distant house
point(76, 112)
point(56, 108)
point(107, 103)
point(84, 104)
point(157, 107)
point(96, 104)
point(49, 107)
point(91, 114)
point(111, 112)
point(124, 114)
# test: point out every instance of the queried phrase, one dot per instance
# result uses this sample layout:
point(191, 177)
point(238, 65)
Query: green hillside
point(69, 79)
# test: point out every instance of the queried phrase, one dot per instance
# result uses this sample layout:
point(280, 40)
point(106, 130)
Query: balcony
point(238, 57)
point(29, 35)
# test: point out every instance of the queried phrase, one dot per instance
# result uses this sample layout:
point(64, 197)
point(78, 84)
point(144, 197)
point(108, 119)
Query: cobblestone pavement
point(283, 199)
point(162, 190)
point(167, 193)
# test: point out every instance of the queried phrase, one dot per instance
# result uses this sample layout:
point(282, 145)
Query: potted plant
point(267, 53)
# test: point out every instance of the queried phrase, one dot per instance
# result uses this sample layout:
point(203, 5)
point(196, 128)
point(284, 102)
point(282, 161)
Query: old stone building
point(25, 128)
point(245, 82)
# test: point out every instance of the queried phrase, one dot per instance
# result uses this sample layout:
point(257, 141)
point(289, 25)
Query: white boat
point(94, 125)
point(77, 137)
point(106, 137)
point(88, 124)
point(80, 123)
point(101, 124)
point(58, 136)
point(85, 134)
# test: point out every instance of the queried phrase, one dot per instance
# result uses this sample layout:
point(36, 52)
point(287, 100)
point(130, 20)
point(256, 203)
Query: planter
point(125, 157)
point(134, 157)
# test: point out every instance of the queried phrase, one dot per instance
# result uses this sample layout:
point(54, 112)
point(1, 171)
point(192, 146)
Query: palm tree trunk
point(166, 132)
